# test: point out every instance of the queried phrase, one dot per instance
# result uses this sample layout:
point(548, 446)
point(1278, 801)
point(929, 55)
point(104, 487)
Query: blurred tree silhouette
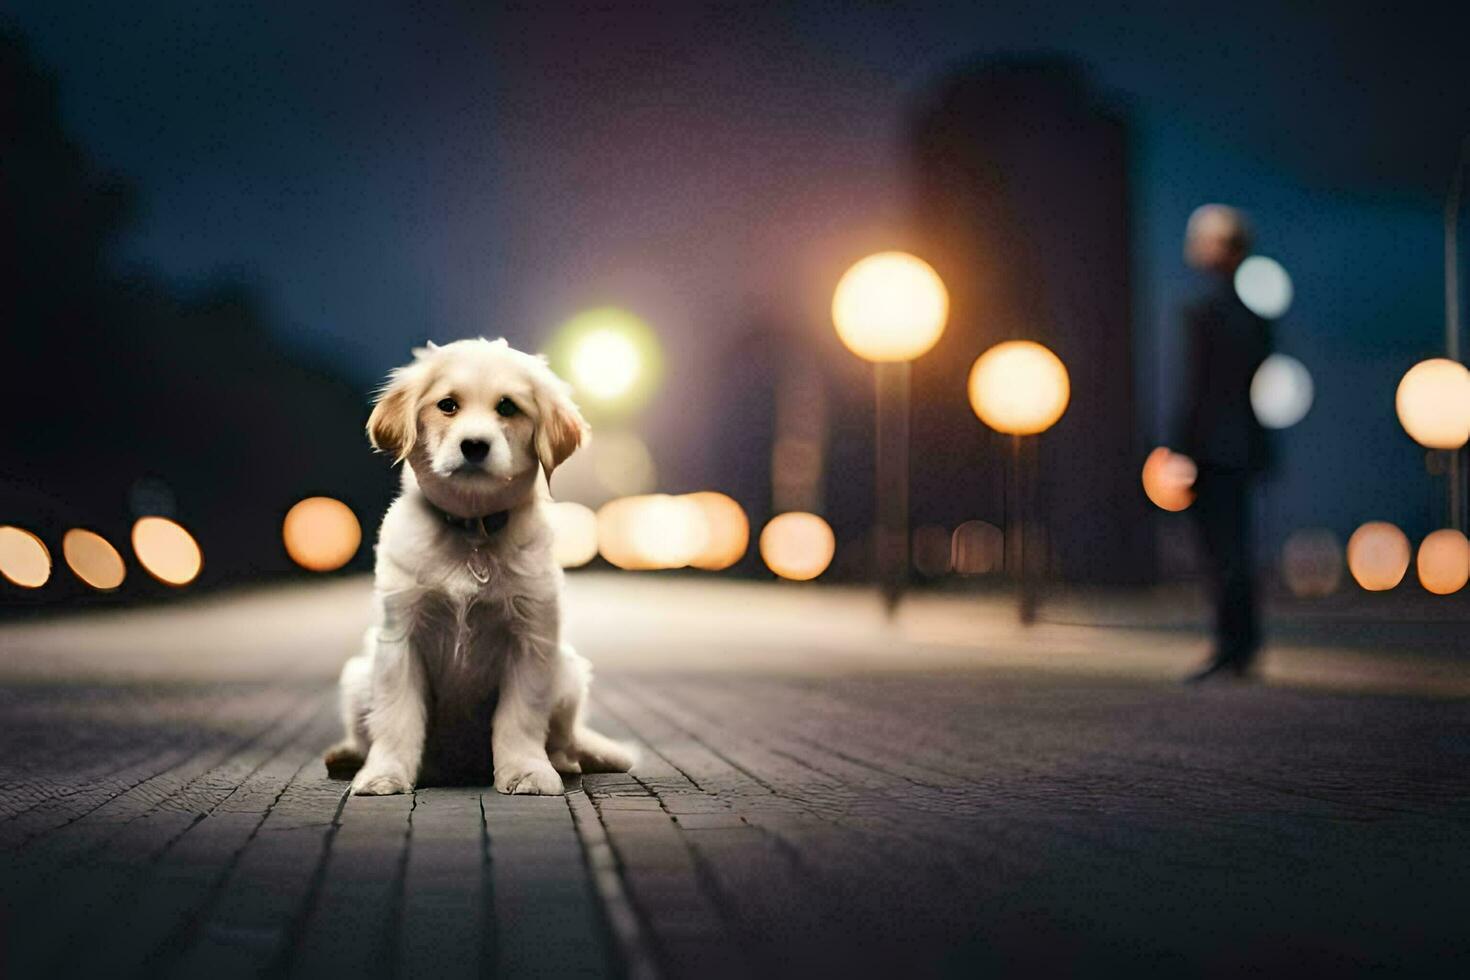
point(122, 397)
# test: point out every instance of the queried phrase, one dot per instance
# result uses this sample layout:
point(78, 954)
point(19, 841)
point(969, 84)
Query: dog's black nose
point(474, 450)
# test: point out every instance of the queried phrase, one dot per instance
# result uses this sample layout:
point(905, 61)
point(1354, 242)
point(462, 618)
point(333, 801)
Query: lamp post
point(890, 308)
point(1020, 388)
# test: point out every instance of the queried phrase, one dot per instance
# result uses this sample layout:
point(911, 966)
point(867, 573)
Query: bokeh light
point(1311, 562)
point(93, 559)
point(24, 560)
point(166, 551)
point(1433, 403)
point(727, 531)
point(321, 534)
point(1263, 286)
point(977, 548)
point(1444, 562)
point(1281, 392)
point(890, 307)
point(610, 356)
point(655, 531)
point(1378, 556)
point(797, 545)
point(1019, 387)
point(1168, 479)
point(574, 533)
point(932, 551)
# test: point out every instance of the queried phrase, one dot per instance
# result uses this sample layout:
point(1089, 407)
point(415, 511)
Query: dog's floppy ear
point(560, 428)
point(393, 426)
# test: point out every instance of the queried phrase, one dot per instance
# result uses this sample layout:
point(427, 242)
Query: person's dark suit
point(1224, 345)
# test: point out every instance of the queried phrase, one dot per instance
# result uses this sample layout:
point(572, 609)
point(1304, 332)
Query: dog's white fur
point(445, 645)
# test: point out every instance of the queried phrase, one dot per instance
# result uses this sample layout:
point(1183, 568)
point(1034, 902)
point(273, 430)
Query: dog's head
point(476, 419)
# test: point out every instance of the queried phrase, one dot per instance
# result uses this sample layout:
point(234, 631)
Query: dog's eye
point(507, 408)
point(448, 406)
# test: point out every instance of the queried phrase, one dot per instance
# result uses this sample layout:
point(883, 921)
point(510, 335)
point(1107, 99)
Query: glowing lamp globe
point(890, 307)
point(1433, 403)
point(797, 546)
point(93, 559)
point(1378, 556)
point(321, 534)
point(1444, 562)
point(1168, 479)
point(1019, 387)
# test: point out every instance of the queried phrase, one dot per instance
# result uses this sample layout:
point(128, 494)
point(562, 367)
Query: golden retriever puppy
point(464, 671)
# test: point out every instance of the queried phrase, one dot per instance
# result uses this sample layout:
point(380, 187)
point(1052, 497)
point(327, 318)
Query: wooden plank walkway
point(946, 824)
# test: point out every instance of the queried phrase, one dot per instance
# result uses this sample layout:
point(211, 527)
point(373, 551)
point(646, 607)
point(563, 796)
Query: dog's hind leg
point(570, 744)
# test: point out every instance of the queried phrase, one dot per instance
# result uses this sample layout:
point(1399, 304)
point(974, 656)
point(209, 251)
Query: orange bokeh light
point(1444, 562)
point(728, 531)
point(798, 546)
point(1378, 556)
point(24, 560)
point(321, 534)
point(93, 559)
point(1168, 479)
point(166, 551)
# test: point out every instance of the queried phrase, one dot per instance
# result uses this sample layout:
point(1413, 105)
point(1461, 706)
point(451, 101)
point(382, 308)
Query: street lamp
point(890, 308)
point(1433, 406)
point(1020, 388)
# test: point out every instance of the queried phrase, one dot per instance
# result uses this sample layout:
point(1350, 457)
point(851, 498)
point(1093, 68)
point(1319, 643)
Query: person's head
point(1217, 239)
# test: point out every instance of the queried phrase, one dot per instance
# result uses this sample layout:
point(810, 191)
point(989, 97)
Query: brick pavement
point(910, 824)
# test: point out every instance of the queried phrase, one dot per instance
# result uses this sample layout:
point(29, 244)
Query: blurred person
point(1224, 345)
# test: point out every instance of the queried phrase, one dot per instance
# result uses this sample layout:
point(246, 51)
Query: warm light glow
point(1168, 479)
point(797, 546)
point(1311, 562)
point(166, 551)
point(93, 559)
point(1281, 392)
point(574, 533)
point(610, 356)
point(1019, 387)
point(1444, 562)
point(890, 307)
point(24, 560)
point(651, 532)
point(1433, 403)
point(727, 531)
point(605, 364)
point(1378, 556)
point(1263, 286)
point(321, 534)
point(977, 548)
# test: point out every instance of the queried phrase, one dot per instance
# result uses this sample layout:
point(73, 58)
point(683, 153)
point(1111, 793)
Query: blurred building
point(1021, 184)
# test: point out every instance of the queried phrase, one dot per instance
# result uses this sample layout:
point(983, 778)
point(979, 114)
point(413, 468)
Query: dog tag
point(479, 566)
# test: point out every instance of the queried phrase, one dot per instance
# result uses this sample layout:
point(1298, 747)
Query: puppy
point(464, 668)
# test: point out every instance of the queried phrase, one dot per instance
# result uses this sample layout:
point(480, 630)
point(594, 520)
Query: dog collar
point(483, 526)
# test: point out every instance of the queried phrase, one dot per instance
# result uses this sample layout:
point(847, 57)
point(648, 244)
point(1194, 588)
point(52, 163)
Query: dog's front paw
point(534, 778)
point(373, 781)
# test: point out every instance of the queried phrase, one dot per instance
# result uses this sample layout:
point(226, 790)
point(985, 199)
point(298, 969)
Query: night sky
point(385, 173)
